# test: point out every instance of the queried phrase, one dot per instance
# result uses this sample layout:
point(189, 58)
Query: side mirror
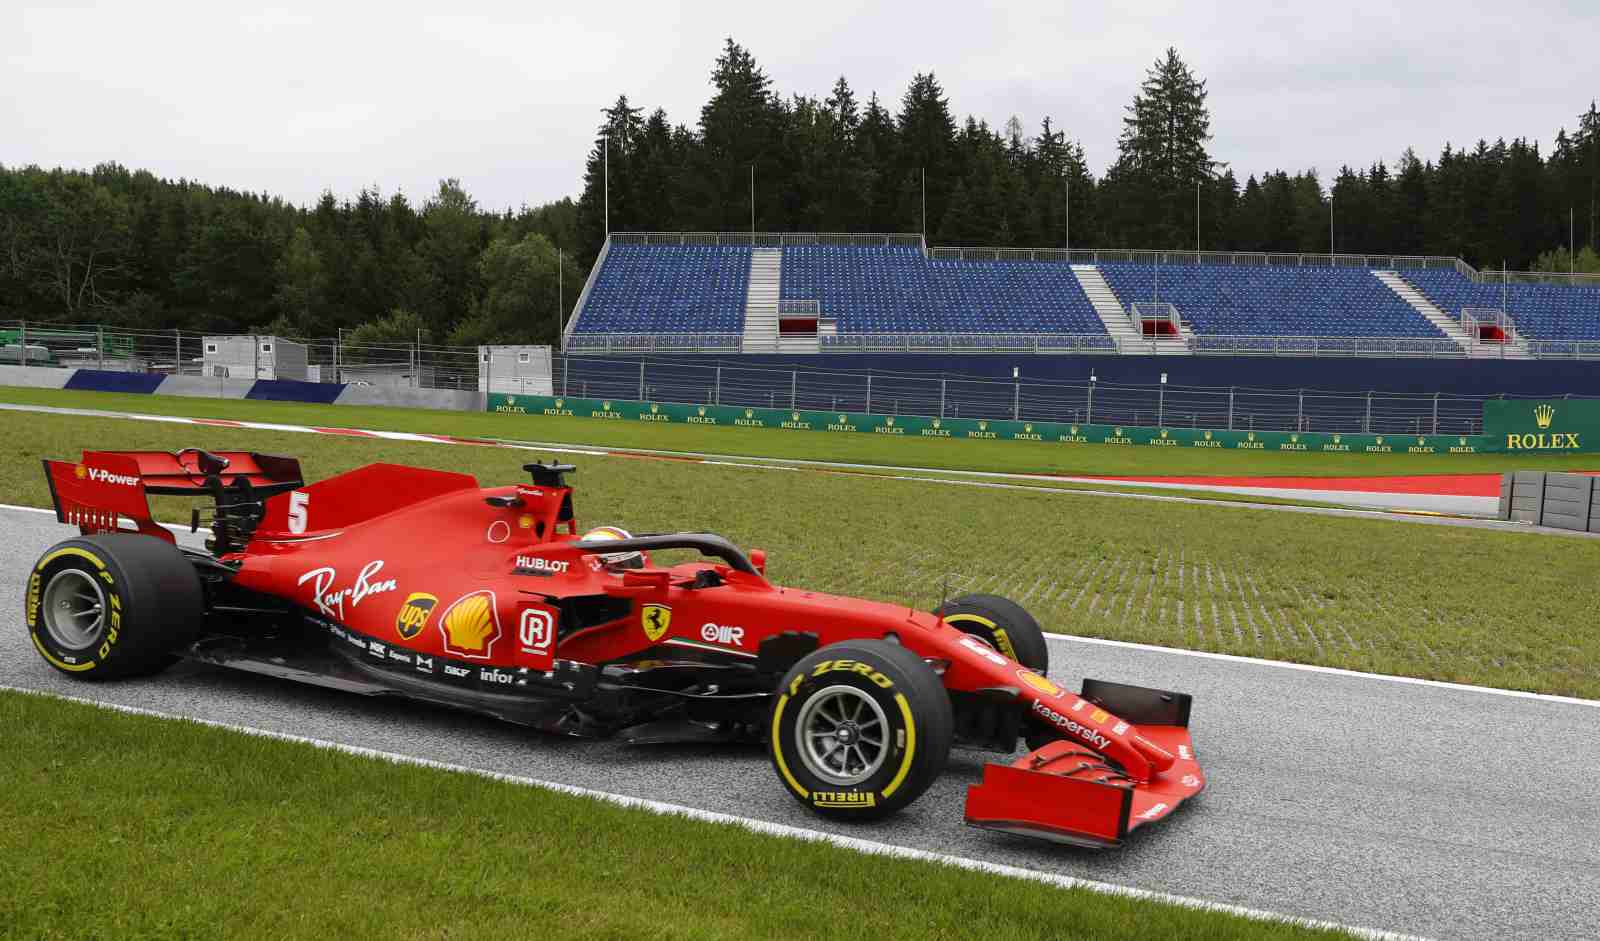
point(758, 558)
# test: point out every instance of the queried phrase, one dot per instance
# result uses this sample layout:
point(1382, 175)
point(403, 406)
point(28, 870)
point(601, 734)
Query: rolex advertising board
point(973, 429)
point(1547, 425)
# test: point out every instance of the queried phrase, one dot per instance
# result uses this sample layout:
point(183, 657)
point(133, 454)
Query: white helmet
point(616, 561)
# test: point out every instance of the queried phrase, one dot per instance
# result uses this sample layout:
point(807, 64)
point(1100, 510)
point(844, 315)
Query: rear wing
point(107, 487)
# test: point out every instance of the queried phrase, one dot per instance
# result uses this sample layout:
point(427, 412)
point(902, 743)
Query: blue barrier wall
point(97, 380)
point(289, 390)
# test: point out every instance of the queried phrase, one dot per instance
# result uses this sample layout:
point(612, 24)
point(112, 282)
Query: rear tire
point(1002, 624)
point(112, 605)
point(860, 729)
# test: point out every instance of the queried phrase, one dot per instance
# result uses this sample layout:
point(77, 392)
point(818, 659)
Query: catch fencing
point(1238, 408)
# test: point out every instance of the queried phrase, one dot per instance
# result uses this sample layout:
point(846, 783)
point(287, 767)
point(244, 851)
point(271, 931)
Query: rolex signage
point(1547, 425)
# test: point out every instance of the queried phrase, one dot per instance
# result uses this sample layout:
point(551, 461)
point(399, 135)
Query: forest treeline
point(126, 247)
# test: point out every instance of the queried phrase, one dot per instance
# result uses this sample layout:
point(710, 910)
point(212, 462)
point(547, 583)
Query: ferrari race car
point(400, 581)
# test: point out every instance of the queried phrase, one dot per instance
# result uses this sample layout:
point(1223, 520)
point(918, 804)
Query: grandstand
point(798, 293)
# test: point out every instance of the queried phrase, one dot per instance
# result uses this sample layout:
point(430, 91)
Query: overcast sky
point(298, 99)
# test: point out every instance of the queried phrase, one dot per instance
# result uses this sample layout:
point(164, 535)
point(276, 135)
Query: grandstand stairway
point(1449, 326)
point(1129, 338)
point(761, 302)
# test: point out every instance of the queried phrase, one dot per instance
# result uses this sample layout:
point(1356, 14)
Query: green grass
point(119, 826)
point(1511, 610)
point(1011, 456)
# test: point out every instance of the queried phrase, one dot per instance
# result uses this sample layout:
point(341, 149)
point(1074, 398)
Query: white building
point(515, 370)
point(253, 357)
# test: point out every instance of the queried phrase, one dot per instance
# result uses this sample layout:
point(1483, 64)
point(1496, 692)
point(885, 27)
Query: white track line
point(1330, 671)
point(764, 827)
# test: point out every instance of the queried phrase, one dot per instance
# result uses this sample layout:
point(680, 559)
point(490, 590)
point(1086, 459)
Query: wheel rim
point(844, 735)
point(74, 609)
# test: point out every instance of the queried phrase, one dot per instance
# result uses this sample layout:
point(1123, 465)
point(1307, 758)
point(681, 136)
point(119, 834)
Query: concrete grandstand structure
point(828, 293)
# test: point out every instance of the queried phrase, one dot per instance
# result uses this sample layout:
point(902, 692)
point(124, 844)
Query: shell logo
point(1038, 682)
point(80, 471)
point(471, 625)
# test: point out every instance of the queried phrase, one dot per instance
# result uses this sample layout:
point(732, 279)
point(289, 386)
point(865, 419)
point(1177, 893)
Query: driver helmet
point(616, 561)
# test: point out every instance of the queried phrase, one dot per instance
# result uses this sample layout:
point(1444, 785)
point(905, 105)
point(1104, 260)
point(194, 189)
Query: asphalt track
point(1401, 806)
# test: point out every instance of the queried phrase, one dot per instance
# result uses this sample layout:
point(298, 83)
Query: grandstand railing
point(770, 239)
point(1409, 347)
point(1157, 257)
point(1095, 256)
point(612, 343)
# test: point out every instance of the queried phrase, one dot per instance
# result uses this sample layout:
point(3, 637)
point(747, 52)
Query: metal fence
point(183, 353)
point(946, 396)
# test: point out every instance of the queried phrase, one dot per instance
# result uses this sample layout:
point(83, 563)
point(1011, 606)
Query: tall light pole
point(1066, 172)
point(1197, 217)
point(606, 173)
point(1330, 222)
point(752, 204)
point(561, 295)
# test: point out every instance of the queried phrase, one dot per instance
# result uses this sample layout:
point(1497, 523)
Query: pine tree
point(1162, 155)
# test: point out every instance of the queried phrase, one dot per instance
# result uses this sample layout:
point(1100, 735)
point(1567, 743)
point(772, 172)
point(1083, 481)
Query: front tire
point(1002, 624)
point(860, 729)
point(112, 605)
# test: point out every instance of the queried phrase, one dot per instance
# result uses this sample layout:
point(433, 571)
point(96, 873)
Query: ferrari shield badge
point(655, 618)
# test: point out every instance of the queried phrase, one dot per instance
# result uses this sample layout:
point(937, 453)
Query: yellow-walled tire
point(860, 729)
point(112, 605)
point(1002, 624)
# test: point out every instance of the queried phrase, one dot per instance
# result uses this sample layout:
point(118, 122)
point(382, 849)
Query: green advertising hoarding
point(1548, 425)
point(982, 430)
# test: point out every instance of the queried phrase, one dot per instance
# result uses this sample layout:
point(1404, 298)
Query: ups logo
point(414, 614)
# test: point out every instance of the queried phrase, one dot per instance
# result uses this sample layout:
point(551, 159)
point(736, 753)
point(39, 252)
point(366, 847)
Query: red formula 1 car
point(392, 580)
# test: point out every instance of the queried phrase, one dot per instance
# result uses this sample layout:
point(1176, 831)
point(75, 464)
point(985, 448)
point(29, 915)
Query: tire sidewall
point(1002, 624)
point(102, 567)
point(911, 740)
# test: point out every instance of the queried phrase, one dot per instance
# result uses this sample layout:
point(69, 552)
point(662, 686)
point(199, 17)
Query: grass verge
point(1492, 608)
point(173, 829)
point(1008, 456)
